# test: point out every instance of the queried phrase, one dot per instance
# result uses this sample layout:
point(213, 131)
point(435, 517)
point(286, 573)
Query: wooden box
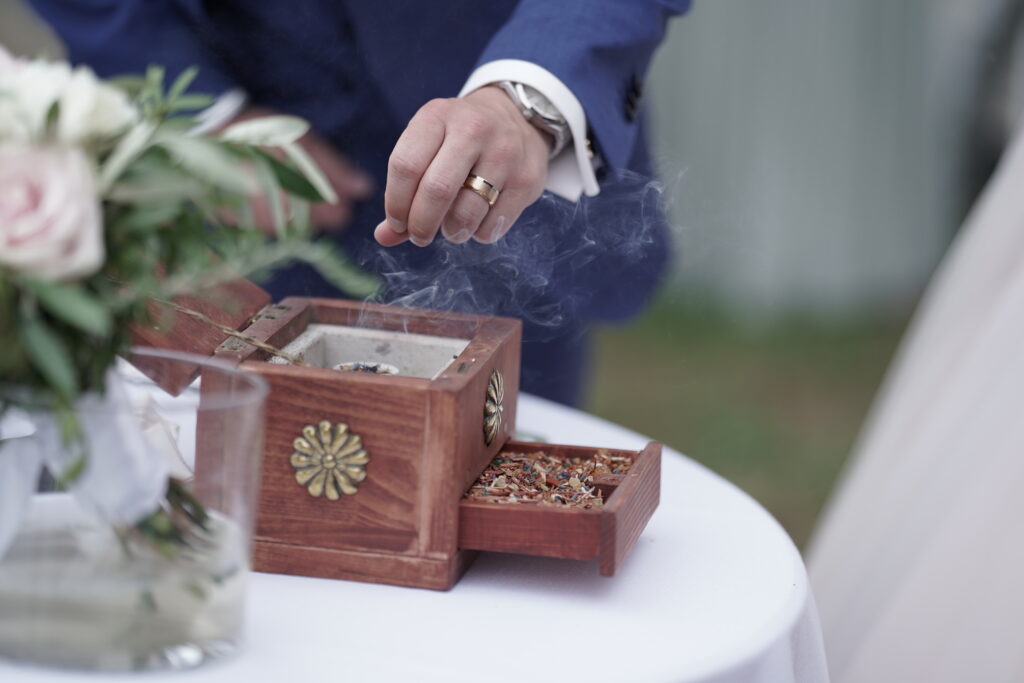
point(364, 474)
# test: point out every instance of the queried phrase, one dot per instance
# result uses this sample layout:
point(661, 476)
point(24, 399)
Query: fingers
point(349, 183)
point(439, 187)
point(387, 237)
point(499, 219)
point(483, 133)
point(521, 190)
point(413, 153)
point(464, 217)
point(347, 180)
point(470, 209)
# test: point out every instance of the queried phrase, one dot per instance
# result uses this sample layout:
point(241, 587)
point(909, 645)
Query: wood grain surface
point(232, 304)
point(606, 533)
point(424, 437)
point(408, 524)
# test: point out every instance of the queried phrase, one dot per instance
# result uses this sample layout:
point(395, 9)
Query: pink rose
point(50, 217)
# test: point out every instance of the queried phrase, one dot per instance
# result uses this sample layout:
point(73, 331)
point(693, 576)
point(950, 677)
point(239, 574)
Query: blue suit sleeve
point(124, 36)
point(600, 49)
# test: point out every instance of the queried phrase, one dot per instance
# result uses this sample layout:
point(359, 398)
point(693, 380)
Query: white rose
point(87, 107)
point(90, 108)
point(27, 91)
point(50, 216)
point(13, 124)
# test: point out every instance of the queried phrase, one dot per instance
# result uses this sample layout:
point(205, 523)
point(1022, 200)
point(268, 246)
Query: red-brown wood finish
point(407, 524)
point(424, 437)
point(606, 533)
point(232, 304)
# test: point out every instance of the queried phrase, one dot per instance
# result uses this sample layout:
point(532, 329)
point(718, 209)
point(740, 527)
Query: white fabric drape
point(918, 564)
point(121, 482)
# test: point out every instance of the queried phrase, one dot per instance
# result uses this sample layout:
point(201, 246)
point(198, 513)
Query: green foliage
point(289, 179)
point(176, 221)
point(50, 356)
point(207, 160)
point(181, 83)
point(273, 131)
point(74, 305)
point(309, 169)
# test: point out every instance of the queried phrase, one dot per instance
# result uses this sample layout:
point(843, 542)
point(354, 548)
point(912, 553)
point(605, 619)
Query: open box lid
point(233, 304)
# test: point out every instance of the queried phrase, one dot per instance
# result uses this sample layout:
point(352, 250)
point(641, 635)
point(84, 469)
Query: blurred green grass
point(774, 409)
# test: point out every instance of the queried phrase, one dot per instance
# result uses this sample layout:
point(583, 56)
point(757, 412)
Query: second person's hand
point(349, 183)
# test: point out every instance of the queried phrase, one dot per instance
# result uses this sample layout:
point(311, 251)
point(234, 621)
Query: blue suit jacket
point(359, 69)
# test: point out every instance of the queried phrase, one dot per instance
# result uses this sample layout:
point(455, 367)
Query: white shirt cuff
point(571, 173)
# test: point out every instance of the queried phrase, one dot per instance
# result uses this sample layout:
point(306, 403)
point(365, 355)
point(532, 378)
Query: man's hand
point(483, 133)
point(350, 184)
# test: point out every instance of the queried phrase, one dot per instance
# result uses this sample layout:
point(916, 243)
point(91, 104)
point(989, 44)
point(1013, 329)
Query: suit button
point(633, 94)
point(631, 111)
point(636, 86)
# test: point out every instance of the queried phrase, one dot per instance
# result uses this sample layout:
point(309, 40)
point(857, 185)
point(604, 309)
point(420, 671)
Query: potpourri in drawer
point(539, 478)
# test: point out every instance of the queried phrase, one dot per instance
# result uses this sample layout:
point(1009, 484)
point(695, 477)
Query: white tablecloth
point(714, 591)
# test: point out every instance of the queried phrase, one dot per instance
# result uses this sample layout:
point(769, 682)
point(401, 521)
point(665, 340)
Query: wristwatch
point(539, 111)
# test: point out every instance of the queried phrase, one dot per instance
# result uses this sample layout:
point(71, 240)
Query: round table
point(714, 591)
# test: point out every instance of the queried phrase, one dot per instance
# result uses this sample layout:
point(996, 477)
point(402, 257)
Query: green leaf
point(128, 150)
point(266, 131)
point(182, 125)
point(74, 471)
point(207, 160)
point(151, 216)
point(131, 84)
point(272, 194)
point(69, 424)
point(52, 116)
point(155, 77)
point(290, 180)
point(313, 174)
point(191, 103)
point(73, 305)
point(299, 218)
point(342, 273)
point(49, 356)
point(151, 96)
point(182, 82)
point(154, 188)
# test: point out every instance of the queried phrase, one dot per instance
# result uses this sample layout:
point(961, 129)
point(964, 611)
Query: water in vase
point(73, 593)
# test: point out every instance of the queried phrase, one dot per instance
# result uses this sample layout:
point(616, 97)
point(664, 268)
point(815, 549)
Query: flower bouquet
point(112, 196)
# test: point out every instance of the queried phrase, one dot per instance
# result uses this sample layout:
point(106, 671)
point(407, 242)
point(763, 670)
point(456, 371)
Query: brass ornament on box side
point(329, 460)
point(494, 406)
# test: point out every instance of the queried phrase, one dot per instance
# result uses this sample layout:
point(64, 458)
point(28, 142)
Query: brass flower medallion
point(329, 460)
point(494, 406)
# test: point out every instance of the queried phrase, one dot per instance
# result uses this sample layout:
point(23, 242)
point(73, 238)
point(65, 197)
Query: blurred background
point(818, 157)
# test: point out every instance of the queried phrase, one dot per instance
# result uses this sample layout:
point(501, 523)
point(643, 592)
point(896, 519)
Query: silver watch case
point(539, 111)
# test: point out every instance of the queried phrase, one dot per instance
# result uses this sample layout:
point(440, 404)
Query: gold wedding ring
point(482, 187)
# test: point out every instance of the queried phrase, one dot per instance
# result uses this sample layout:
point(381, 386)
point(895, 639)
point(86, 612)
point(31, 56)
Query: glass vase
point(128, 533)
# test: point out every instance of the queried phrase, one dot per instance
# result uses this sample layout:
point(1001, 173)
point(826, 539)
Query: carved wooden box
point(364, 473)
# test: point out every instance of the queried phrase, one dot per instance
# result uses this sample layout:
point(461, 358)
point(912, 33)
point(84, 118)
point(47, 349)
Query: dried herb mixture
point(542, 479)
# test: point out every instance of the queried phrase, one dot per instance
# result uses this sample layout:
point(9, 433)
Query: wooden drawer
point(606, 533)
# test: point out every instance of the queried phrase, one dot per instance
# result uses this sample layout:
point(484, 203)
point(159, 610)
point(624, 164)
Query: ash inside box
point(539, 478)
point(374, 351)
